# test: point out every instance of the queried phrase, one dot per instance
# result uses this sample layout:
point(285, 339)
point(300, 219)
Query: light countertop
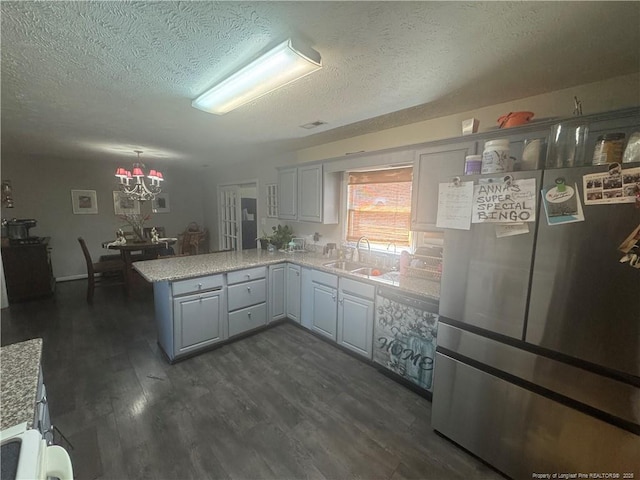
point(20, 363)
point(182, 267)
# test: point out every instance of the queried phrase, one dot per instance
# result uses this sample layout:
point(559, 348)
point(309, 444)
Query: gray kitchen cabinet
point(432, 166)
point(294, 284)
point(325, 303)
point(247, 297)
point(190, 314)
point(306, 298)
point(197, 321)
point(310, 193)
point(277, 291)
point(355, 316)
point(288, 193)
point(307, 194)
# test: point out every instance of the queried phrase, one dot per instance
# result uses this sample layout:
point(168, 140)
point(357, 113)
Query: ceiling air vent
point(311, 125)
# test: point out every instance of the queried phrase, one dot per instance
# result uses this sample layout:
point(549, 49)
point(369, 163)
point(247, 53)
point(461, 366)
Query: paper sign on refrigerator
point(511, 201)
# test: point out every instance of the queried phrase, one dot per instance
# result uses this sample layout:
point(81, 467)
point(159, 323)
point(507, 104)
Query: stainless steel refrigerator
point(537, 367)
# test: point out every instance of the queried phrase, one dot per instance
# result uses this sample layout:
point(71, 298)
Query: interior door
point(230, 218)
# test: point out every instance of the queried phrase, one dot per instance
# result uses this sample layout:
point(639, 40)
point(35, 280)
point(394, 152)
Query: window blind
point(379, 206)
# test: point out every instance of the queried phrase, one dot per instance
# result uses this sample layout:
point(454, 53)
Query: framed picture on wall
point(123, 205)
point(84, 201)
point(160, 204)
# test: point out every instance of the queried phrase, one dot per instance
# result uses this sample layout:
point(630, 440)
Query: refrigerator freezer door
point(485, 279)
point(521, 432)
point(584, 303)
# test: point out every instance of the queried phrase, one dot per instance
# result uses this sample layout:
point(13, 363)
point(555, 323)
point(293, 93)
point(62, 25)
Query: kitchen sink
point(369, 271)
point(374, 273)
point(343, 265)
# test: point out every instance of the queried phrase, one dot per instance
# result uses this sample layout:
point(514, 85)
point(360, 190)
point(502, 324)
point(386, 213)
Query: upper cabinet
point(432, 166)
point(307, 194)
point(288, 193)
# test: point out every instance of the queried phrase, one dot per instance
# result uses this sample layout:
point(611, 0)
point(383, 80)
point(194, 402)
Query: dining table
point(149, 249)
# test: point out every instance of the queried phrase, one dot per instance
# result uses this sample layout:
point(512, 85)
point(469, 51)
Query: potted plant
point(281, 236)
point(265, 240)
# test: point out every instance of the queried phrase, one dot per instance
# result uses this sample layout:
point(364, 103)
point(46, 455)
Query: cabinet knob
point(247, 275)
point(341, 301)
point(249, 289)
point(43, 400)
point(297, 273)
point(199, 286)
point(334, 297)
point(249, 314)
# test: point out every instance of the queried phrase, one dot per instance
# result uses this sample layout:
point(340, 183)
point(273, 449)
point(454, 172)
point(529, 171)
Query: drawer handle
point(249, 289)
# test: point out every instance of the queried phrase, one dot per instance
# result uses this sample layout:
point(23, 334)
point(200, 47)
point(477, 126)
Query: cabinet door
point(355, 324)
point(310, 193)
point(288, 193)
point(197, 321)
point(277, 292)
point(306, 298)
point(293, 292)
point(432, 166)
point(325, 312)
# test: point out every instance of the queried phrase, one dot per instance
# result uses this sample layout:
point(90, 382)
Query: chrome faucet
point(363, 238)
point(395, 254)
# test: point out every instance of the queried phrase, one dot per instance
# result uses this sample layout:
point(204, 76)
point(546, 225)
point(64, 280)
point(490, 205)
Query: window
point(272, 200)
point(379, 206)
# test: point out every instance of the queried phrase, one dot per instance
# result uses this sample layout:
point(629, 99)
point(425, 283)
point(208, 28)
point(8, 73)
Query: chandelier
point(141, 190)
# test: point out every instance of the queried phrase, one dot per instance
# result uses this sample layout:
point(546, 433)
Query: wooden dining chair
point(97, 272)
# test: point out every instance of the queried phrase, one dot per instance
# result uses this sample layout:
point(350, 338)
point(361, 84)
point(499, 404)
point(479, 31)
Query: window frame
point(344, 207)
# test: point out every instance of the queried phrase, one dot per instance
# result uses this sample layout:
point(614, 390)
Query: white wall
point(42, 190)
point(612, 94)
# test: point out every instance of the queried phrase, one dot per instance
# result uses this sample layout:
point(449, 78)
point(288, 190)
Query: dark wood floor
point(281, 404)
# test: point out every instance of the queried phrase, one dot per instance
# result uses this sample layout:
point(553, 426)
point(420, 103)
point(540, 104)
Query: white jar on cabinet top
point(495, 157)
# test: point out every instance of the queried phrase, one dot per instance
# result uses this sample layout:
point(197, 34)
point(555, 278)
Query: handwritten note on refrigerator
point(454, 205)
point(505, 202)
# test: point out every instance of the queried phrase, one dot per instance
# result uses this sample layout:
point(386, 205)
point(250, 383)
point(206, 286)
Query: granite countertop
point(183, 267)
point(20, 363)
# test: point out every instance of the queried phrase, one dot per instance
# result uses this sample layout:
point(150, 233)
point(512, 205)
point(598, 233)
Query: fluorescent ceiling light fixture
point(278, 67)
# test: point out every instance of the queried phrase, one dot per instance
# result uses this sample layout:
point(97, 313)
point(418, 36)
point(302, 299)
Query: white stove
point(26, 456)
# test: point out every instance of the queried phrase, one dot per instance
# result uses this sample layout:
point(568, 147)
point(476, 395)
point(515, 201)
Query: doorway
point(238, 216)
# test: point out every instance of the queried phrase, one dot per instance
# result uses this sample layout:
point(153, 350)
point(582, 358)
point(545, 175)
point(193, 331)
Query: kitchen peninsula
point(204, 300)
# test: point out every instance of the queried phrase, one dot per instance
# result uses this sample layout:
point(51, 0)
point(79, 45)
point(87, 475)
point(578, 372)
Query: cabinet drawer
point(195, 285)
point(360, 289)
point(245, 294)
point(247, 319)
point(324, 278)
point(246, 275)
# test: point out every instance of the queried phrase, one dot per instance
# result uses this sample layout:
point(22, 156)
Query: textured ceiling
point(97, 80)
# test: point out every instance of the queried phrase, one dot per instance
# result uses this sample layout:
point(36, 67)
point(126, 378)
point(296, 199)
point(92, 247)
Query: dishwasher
point(405, 331)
